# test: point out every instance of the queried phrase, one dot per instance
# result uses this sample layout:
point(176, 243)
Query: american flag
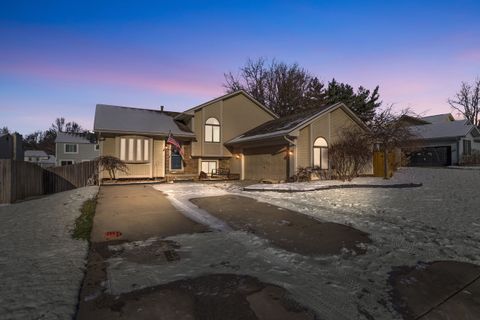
point(175, 143)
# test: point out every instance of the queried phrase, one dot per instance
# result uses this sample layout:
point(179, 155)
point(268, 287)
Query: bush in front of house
point(471, 160)
point(111, 164)
point(350, 154)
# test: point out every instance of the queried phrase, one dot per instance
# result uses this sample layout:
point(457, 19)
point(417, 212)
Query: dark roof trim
point(300, 126)
point(230, 95)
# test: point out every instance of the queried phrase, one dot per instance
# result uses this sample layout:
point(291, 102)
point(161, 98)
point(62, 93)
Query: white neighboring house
point(40, 157)
point(74, 148)
point(445, 139)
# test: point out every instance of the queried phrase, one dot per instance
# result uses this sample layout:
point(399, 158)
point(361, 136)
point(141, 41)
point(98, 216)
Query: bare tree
point(111, 165)
point(4, 130)
point(288, 88)
point(389, 131)
point(282, 88)
point(350, 153)
point(467, 101)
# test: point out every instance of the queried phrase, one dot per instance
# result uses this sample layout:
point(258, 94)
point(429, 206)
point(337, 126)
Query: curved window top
point(212, 121)
point(320, 142)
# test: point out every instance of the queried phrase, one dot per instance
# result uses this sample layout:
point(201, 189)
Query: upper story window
point(320, 153)
point(212, 130)
point(134, 149)
point(97, 147)
point(71, 148)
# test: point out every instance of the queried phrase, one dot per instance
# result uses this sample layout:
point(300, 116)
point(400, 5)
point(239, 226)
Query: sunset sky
point(61, 59)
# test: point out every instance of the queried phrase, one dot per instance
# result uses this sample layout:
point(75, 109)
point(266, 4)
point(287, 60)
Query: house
point(444, 140)
point(233, 132)
point(40, 157)
point(71, 148)
point(11, 146)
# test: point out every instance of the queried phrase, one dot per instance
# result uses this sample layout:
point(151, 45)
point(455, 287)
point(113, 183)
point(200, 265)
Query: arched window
point(212, 130)
point(320, 153)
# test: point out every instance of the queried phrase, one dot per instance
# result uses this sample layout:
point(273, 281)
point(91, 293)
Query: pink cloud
point(112, 78)
point(470, 55)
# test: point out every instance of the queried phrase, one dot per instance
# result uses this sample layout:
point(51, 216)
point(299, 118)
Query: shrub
point(111, 164)
point(472, 159)
point(350, 154)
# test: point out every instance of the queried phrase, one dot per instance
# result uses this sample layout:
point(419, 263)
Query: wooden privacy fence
point(20, 180)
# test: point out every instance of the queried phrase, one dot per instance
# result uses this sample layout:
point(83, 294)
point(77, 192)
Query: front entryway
point(209, 166)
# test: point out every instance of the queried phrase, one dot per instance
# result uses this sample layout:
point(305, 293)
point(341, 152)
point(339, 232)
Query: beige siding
point(236, 115)
point(159, 158)
point(236, 165)
point(155, 167)
point(303, 148)
point(327, 126)
point(340, 120)
point(265, 163)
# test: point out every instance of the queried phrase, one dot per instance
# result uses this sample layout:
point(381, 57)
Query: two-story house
point(74, 148)
point(233, 132)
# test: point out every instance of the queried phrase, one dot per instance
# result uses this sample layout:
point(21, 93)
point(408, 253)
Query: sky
point(61, 58)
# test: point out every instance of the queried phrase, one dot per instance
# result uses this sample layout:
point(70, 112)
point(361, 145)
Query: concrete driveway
point(137, 212)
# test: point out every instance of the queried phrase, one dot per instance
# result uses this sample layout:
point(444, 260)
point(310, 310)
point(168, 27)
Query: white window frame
point(70, 144)
point(322, 150)
point(96, 147)
point(210, 129)
point(134, 149)
point(209, 173)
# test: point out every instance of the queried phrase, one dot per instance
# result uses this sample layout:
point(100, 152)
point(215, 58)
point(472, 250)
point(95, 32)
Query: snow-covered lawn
point(41, 266)
point(438, 221)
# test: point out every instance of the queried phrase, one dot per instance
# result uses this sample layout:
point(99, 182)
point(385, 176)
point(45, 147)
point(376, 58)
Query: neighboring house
point(233, 132)
point(444, 140)
point(39, 157)
point(73, 148)
point(11, 146)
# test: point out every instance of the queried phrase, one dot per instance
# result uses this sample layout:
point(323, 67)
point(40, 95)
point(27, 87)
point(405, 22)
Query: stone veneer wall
point(190, 165)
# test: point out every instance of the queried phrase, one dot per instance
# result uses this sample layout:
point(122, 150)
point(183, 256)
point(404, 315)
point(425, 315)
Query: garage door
point(265, 163)
point(432, 156)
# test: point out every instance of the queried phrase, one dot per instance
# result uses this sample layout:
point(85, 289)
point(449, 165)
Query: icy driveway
point(438, 221)
point(41, 266)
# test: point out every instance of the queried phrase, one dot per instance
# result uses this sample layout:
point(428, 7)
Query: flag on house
point(171, 140)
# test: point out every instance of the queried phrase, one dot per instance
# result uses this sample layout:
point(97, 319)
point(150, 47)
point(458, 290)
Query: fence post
point(6, 181)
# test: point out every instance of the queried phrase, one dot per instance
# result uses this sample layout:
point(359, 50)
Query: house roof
point(63, 137)
point(448, 129)
point(119, 119)
point(439, 118)
point(35, 153)
point(285, 125)
point(230, 95)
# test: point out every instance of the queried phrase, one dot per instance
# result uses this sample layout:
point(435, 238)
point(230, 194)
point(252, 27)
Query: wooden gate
point(378, 164)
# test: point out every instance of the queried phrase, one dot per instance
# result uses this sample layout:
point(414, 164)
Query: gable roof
point(438, 118)
point(230, 95)
point(63, 137)
point(285, 125)
point(119, 119)
point(449, 129)
point(35, 153)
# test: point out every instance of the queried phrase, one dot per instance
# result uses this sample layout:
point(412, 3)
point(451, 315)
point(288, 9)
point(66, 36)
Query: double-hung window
point(134, 149)
point(71, 148)
point(212, 130)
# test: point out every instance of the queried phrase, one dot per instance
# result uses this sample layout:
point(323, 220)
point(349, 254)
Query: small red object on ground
point(109, 235)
